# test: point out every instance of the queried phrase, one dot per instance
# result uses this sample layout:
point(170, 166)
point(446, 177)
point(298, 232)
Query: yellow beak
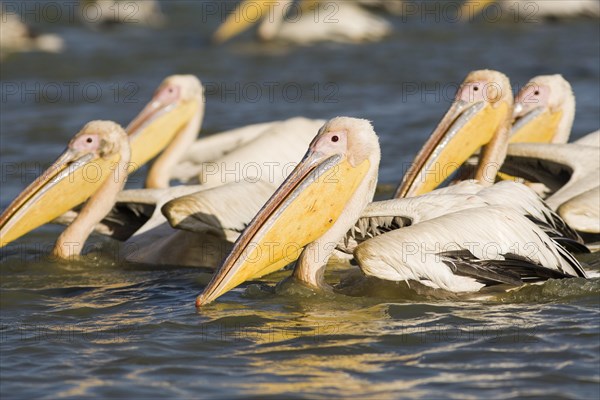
point(70, 181)
point(155, 127)
point(306, 206)
point(464, 129)
point(247, 13)
point(471, 9)
point(537, 126)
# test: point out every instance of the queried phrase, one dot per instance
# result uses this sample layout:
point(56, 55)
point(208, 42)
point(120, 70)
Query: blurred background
point(96, 66)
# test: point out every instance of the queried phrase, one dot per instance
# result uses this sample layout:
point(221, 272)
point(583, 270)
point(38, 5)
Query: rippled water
point(100, 327)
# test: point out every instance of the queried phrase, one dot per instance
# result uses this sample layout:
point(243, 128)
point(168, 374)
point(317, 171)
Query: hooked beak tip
point(199, 301)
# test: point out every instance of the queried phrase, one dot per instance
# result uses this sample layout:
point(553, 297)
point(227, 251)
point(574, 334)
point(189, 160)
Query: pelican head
point(319, 201)
point(177, 101)
point(479, 115)
point(92, 159)
point(544, 111)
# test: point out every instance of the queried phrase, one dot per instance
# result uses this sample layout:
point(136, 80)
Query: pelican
point(168, 125)
point(107, 12)
point(533, 10)
point(163, 131)
point(307, 21)
point(326, 194)
point(479, 116)
point(93, 169)
point(16, 36)
point(544, 111)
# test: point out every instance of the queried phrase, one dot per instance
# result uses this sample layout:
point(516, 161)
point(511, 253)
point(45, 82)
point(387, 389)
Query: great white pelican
point(93, 169)
point(479, 117)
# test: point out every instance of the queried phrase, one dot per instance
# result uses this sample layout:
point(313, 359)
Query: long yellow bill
point(155, 127)
point(70, 181)
point(250, 12)
point(306, 206)
point(472, 8)
point(247, 13)
point(537, 126)
point(464, 129)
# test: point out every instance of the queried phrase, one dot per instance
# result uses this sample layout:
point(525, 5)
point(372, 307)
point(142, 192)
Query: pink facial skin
point(86, 143)
point(532, 96)
point(167, 94)
point(332, 143)
point(472, 92)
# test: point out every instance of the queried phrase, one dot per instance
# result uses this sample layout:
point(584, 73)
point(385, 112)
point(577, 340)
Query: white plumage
point(493, 223)
point(423, 252)
point(571, 171)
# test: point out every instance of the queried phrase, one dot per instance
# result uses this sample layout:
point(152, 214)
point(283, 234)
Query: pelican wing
point(262, 151)
point(132, 210)
point(120, 223)
point(213, 147)
point(513, 270)
point(551, 164)
point(228, 207)
point(384, 216)
point(494, 235)
point(591, 139)
point(583, 211)
point(569, 170)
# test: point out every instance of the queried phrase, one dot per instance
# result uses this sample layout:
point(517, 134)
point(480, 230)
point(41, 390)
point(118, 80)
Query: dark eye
point(537, 92)
point(476, 88)
point(89, 140)
point(170, 90)
point(335, 138)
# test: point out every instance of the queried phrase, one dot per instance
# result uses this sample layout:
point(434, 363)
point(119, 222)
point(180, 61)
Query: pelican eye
point(476, 88)
point(335, 138)
point(89, 140)
point(537, 92)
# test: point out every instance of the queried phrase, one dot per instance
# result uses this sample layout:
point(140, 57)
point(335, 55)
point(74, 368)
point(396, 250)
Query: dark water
point(102, 328)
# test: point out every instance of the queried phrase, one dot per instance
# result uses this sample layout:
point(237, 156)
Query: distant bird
point(305, 22)
point(109, 12)
point(15, 36)
point(532, 10)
